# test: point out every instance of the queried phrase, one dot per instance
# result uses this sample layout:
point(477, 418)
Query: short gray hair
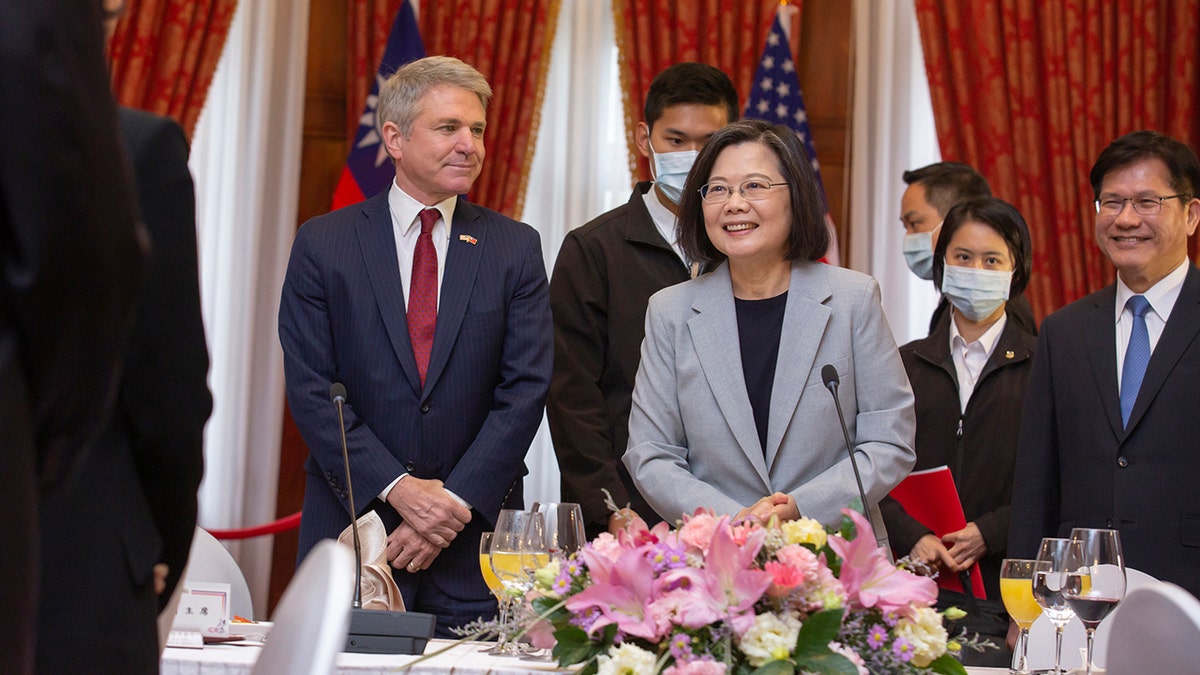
point(400, 94)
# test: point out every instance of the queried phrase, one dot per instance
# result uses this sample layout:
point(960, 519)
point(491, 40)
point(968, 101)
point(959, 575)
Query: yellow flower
point(804, 531)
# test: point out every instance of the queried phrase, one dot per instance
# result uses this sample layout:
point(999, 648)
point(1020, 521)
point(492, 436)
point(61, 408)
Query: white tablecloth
point(464, 659)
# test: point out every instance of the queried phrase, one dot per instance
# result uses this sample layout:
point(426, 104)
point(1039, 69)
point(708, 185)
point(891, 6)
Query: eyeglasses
point(751, 190)
point(1143, 206)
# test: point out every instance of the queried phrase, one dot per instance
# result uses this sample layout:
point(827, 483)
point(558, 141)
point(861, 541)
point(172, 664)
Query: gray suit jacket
point(692, 439)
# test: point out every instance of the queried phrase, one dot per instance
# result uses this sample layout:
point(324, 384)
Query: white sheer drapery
point(892, 132)
point(580, 166)
point(246, 162)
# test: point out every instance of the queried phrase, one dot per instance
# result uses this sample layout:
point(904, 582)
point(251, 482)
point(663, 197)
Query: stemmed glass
point(516, 539)
point(1096, 580)
point(1056, 558)
point(1016, 589)
point(564, 527)
point(493, 583)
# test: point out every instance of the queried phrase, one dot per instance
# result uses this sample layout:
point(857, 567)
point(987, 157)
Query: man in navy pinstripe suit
point(437, 434)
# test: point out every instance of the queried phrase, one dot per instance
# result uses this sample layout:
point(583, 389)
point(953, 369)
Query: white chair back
point(1157, 630)
point(1041, 635)
point(208, 560)
point(313, 617)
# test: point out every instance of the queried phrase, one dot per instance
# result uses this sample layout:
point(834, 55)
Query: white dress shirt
point(969, 358)
point(1161, 296)
point(406, 225)
point(664, 221)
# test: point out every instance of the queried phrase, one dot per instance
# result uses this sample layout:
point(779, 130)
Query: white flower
point(925, 632)
point(852, 656)
point(626, 659)
point(772, 637)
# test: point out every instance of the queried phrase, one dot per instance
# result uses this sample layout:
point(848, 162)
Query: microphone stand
point(375, 631)
point(829, 375)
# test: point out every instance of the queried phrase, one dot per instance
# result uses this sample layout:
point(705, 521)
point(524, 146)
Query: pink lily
point(621, 591)
point(732, 578)
point(873, 581)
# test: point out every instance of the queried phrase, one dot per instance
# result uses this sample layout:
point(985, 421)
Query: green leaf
point(827, 663)
point(819, 630)
point(573, 646)
point(946, 664)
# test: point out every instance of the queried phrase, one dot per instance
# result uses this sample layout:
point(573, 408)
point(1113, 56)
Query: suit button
point(424, 408)
point(1109, 524)
point(1122, 462)
point(410, 466)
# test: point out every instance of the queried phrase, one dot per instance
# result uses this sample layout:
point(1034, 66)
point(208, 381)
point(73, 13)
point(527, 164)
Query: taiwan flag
point(775, 97)
point(369, 169)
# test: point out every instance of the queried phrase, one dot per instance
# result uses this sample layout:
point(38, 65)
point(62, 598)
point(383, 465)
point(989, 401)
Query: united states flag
point(369, 169)
point(775, 97)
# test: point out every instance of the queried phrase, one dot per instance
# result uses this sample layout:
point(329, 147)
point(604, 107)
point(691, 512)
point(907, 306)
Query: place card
point(203, 608)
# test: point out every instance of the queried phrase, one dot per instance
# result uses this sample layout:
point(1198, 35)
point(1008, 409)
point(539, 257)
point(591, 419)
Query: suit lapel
point(462, 263)
point(1099, 334)
point(804, 322)
point(715, 337)
point(377, 241)
point(1179, 333)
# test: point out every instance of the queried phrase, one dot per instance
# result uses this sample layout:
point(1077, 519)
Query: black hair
point(809, 235)
point(1138, 145)
point(946, 183)
point(689, 82)
point(1007, 222)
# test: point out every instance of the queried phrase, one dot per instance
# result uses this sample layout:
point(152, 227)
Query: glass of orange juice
point(1016, 589)
point(493, 584)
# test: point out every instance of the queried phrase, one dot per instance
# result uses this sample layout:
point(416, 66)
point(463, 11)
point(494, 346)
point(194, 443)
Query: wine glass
point(1097, 579)
point(493, 582)
point(510, 544)
point(1016, 589)
point(1056, 557)
point(564, 528)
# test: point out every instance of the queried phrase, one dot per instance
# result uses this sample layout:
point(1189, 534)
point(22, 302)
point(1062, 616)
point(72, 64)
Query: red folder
point(931, 498)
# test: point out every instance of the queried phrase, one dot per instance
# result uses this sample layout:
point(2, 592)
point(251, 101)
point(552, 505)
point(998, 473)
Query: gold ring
point(412, 567)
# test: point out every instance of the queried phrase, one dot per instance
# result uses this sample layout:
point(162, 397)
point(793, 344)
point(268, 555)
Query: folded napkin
point(379, 589)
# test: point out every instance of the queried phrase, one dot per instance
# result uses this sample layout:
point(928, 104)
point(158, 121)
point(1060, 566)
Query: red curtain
point(164, 54)
point(367, 24)
point(507, 40)
point(1030, 91)
point(653, 34)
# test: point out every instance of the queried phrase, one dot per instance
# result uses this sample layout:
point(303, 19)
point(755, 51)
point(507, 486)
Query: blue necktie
point(1137, 356)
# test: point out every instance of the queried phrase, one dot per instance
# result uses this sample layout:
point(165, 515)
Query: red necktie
point(422, 294)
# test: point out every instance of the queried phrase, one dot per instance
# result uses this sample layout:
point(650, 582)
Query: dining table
point(441, 657)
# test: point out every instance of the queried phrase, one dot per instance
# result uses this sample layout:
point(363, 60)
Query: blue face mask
point(918, 252)
point(671, 170)
point(974, 292)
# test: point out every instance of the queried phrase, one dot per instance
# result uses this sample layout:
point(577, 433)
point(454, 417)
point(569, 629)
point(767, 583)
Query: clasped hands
point(432, 519)
point(773, 505)
point(956, 551)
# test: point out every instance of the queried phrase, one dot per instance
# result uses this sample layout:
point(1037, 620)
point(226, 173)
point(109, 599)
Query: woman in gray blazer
point(729, 408)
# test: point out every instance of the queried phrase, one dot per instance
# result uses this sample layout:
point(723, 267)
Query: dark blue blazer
point(342, 319)
point(1078, 467)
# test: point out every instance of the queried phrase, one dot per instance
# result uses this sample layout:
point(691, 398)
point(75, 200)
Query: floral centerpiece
point(715, 596)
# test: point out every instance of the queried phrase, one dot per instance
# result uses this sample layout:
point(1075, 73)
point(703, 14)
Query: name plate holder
point(203, 610)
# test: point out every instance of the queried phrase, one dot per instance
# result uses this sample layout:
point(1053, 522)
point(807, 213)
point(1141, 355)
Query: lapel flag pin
point(468, 238)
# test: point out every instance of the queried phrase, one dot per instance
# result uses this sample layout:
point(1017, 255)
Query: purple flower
point(878, 637)
point(665, 557)
point(681, 647)
point(903, 649)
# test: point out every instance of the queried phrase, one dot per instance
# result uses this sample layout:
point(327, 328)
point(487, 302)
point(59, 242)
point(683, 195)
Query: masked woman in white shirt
point(730, 411)
point(969, 378)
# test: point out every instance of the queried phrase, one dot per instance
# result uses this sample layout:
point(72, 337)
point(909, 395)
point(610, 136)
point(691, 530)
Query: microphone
point(829, 375)
point(374, 631)
point(337, 393)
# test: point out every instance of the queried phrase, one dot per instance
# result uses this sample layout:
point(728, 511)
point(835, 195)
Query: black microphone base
point(374, 631)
